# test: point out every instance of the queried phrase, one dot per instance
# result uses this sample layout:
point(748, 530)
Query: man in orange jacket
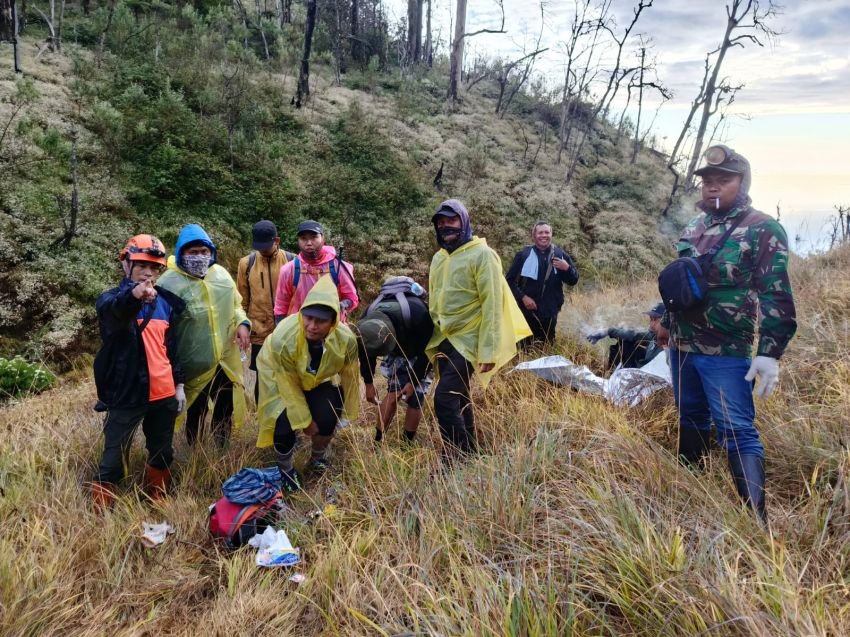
point(137, 372)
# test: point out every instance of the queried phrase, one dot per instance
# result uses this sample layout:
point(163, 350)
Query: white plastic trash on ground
point(626, 387)
point(155, 534)
point(274, 549)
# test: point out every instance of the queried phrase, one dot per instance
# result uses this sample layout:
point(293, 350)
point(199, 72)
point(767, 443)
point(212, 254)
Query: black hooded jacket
point(547, 292)
point(121, 365)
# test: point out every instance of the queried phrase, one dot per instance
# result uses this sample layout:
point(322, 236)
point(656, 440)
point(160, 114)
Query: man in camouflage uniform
point(711, 346)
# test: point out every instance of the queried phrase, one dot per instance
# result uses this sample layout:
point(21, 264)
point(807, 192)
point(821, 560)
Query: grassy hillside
point(178, 121)
point(575, 520)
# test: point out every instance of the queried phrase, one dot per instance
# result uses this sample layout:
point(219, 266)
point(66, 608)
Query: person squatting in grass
point(477, 322)
point(635, 348)
point(137, 371)
point(296, 368)
point(713, 377)
point(314, 260)
point(537, 277)
point(256, 279)
point(399, 334)
point(210, 334)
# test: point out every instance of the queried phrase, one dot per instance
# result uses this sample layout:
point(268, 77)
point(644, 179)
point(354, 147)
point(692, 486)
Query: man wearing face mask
point(477, 322)
point(314, 260)
point(211, 333)
point(711, 346)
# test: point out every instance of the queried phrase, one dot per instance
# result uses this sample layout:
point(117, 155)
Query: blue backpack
point(296, 274)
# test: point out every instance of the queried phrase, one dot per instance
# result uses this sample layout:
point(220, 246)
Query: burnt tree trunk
point(456, 59)
point(414, 31)
point(303, 91)
point(356, 46)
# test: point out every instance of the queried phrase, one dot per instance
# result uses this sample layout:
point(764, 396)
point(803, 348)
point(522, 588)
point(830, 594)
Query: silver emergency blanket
point(626, 387)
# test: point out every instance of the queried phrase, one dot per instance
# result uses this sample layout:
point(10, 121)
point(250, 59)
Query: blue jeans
point(712, 388)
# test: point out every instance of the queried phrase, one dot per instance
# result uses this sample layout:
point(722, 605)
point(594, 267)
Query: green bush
point(17, 377)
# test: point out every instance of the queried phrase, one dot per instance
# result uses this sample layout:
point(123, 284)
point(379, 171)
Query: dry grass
point(575, 521)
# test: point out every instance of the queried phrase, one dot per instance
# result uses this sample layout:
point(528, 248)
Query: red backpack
point(235, 524)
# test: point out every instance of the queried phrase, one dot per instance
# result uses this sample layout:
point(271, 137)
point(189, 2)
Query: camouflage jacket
point(748, 278)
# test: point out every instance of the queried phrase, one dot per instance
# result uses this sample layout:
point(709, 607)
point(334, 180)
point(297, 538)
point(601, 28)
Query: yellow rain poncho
point(206, 329)
point(472, 306)
point(282, 367)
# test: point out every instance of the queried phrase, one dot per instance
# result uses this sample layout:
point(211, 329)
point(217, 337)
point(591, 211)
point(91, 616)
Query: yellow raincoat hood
point(206, 329)
point(282, 367)
point(472, 306)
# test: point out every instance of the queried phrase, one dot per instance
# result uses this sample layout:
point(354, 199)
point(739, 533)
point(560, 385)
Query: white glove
point(767, 369)
point(180, 395)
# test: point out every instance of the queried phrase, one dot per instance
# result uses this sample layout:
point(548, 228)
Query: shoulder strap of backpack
point(334, 272)
point(296, 272)
point(244, 514)
point(549, 267)
point(148, 318)
point(401, 297)
point(717, 246)
point(249, 511)
point(251, 259)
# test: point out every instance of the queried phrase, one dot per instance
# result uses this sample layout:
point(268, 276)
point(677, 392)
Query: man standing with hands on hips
point(711, 345)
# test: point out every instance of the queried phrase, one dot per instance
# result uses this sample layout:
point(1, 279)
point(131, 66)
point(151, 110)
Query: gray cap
point(322, 312)
point(377, 334)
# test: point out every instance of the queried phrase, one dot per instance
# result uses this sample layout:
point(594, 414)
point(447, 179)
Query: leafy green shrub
point(17, 377)
point(628, 186)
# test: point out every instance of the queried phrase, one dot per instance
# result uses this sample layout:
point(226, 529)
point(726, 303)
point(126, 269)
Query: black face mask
point(449, 237)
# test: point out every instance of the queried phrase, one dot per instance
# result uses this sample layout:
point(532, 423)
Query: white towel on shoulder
point(530, 269)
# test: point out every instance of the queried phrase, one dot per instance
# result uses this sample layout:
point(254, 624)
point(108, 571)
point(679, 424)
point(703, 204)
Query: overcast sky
point(794, 110)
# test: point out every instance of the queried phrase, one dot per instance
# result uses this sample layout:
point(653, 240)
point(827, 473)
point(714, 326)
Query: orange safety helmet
point(144, 247)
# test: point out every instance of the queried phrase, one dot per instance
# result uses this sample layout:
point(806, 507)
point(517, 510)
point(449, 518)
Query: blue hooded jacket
point(455, 206)
point(192, 232)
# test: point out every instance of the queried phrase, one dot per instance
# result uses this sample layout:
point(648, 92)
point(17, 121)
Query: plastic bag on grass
point(275, 549)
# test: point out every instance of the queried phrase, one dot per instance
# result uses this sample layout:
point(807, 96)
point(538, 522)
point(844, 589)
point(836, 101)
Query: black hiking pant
point(325, 403)
point(452, 402)
point(220, 390)
point(157, 420)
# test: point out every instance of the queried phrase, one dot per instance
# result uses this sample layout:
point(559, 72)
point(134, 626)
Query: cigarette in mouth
point(717, 203)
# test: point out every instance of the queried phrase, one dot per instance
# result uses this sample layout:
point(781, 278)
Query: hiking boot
point(694, 446)
point(290, 481)
point(157, 482)
point(748, 475)
point(102, 495)
point(319, 465)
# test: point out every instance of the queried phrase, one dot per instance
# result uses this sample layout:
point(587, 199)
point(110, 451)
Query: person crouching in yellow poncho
point(308, 372)
point(210, 333)
point(477, 322)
